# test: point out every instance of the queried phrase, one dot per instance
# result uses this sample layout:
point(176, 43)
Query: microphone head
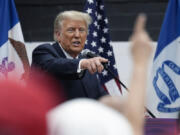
point(88, 54)
point(84, 52)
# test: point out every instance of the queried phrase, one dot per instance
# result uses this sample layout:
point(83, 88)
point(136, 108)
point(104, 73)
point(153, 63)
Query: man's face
point(72, 36)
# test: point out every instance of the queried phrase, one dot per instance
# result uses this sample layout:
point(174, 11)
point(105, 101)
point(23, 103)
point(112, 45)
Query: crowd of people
point(71, 101)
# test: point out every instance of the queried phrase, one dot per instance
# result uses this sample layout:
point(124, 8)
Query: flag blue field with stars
point(163, 95)
point(98, 41)
point(10, 63)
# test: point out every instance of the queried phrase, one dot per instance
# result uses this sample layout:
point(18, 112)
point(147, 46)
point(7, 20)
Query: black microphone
point(88, 54)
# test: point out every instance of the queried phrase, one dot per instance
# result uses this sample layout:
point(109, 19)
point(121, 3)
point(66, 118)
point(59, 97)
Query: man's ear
point(58, 35)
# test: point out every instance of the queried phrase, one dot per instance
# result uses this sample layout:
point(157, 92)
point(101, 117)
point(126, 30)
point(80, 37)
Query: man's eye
point(82, 30)
point(70, 30)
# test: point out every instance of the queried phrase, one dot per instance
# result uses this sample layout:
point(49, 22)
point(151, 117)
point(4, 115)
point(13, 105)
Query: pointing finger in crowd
point(141, 42)
point(140, 23)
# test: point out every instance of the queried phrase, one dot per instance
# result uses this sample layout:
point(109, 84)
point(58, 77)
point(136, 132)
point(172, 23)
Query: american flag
point(98, 41)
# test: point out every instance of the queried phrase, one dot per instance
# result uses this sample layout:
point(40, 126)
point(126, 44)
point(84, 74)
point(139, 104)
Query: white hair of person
point(73, 15)
point(87, 117)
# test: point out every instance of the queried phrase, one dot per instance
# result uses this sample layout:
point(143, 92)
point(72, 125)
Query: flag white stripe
point(112, 88)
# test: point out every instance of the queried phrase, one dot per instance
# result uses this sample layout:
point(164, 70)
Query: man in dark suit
point(62, 60)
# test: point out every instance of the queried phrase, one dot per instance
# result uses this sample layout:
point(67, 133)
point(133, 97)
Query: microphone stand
point(124, 86)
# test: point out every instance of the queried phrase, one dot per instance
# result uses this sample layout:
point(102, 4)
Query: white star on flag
point(105, 30)
point(100, 49)
point(109, 53)
point(115, 67)
point(110, 43)
point(95, 23)
point(103, 40)
point(104, 73)
point(94, 34)
point(106, 21)
point(101, 7)
point(89, 11)
point(90, 1)
point(93, 44)
point(99, 17)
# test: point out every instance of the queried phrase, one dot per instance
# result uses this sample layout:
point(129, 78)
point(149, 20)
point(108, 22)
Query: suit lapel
point(58, 50)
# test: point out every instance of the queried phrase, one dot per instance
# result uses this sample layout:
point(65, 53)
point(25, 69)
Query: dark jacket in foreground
point(50, 58)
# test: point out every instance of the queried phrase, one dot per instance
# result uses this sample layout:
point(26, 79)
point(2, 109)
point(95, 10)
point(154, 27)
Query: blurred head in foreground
point(23, 108)
point(86, 117)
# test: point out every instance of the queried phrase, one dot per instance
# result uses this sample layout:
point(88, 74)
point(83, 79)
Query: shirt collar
point(68, 56)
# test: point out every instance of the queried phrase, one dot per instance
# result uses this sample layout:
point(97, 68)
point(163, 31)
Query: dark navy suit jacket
point(50, 58)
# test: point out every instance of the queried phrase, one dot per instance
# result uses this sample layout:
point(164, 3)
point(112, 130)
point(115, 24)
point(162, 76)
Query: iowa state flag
point(13, 57)
point(163, 96)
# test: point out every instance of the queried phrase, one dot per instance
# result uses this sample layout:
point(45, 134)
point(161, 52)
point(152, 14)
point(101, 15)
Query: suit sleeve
point(102, 91)
point(45, 58)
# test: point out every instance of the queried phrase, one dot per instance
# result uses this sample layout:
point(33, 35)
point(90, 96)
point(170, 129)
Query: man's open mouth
point(76, 43)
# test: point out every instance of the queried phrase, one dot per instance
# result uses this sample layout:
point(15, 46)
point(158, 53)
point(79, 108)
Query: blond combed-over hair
point(72, 14)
